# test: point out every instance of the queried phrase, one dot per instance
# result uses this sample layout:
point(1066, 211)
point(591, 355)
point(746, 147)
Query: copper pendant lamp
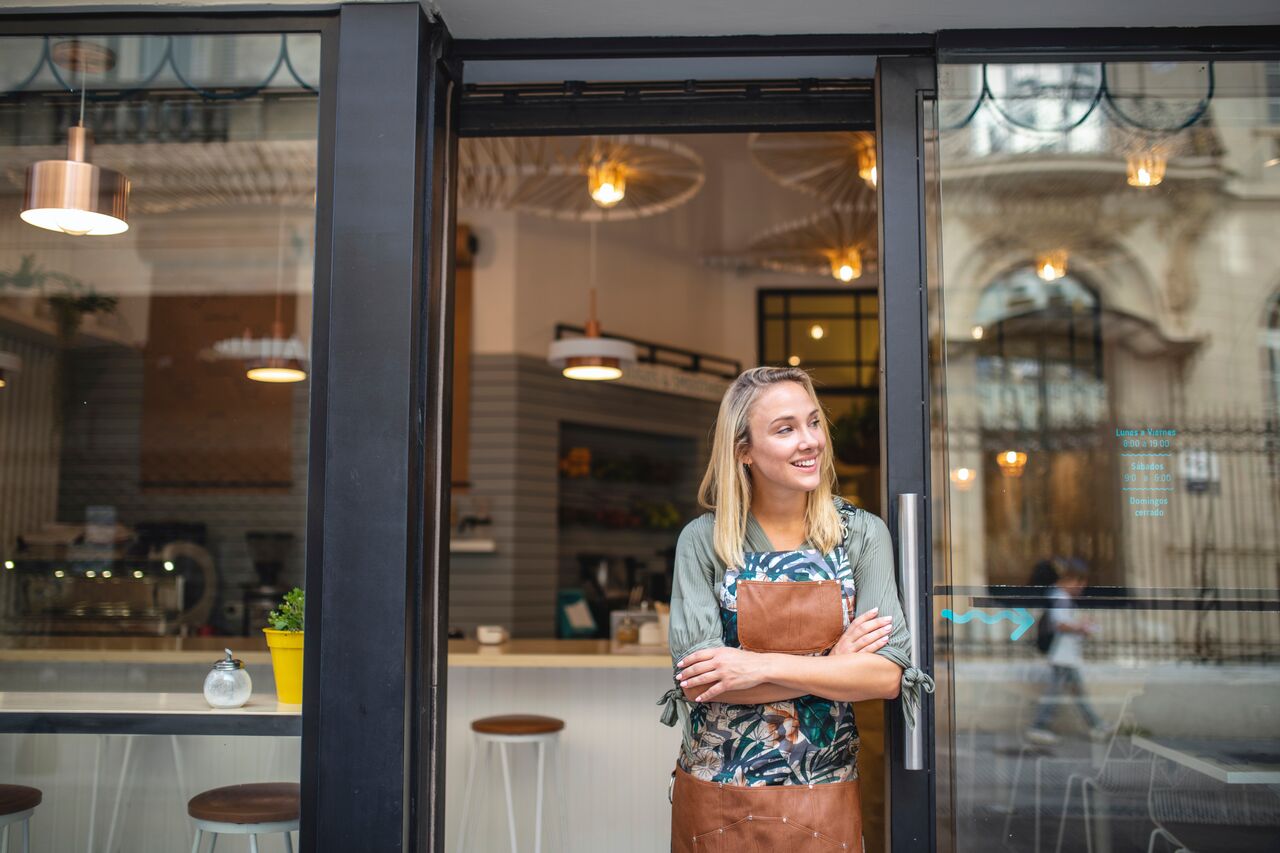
point(74, 196)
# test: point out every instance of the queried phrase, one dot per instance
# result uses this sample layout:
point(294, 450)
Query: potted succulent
point(284, 638)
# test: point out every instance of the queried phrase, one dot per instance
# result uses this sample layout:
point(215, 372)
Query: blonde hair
point(726, 486)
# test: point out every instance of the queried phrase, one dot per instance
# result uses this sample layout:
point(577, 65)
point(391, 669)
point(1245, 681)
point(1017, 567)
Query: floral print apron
point(803, 741)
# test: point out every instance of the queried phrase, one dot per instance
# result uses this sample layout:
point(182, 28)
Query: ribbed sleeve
point(870, 547)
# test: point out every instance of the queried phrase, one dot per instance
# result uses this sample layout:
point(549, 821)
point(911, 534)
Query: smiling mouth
point(806, 464)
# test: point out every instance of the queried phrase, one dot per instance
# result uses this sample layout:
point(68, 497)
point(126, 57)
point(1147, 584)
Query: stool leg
point(213, 842)
point(288, 842)
point(511, 805)
point(4, 842)
point(466, 798)
point(560, 788)
point(90, 842)
point(537, 819)
point(115, 811)
point(253, 843)
point(195, 848)
point(26, 836)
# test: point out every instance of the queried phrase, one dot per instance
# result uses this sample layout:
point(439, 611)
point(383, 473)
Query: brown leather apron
point(715, 817)
point(712, 817)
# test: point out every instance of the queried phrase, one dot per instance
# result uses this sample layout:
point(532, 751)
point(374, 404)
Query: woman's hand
point(864, 634)
point(721, 670)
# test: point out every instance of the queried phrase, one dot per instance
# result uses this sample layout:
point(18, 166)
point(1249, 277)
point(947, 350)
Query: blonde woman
point(784, 610)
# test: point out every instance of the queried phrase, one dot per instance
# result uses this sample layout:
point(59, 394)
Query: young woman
point(784, 610)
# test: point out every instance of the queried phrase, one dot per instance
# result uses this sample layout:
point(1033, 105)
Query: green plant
point(289, 616)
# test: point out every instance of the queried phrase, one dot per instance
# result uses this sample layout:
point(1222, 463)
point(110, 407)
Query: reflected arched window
point(1039, 348)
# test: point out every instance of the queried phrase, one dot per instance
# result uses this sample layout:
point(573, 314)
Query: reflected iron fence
point(1201, 582)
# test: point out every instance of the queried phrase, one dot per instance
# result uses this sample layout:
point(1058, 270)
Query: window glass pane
point(825, 339)
point(154, 386)
point(1111, 517)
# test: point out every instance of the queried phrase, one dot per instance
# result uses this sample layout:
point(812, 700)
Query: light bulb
point(607, 183)
point(867, 163)
point(977, 332)
point(1145, 170)
point(794, 361)
point(847, 265)
point(1052, 266)
point(816, 331)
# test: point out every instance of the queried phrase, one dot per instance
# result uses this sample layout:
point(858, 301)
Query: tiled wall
point(518, 404)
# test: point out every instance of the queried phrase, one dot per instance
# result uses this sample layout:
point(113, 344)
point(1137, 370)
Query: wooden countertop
point(203, 651)
point(556, 654)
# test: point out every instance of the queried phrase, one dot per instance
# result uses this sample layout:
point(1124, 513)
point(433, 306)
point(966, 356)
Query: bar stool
point(255, 809)
point(17, 804)
point(515, 729)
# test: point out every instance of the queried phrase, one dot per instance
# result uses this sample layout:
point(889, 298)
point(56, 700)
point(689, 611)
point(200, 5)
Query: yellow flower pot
point(286, 663)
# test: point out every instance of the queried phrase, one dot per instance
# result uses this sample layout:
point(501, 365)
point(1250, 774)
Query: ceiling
point(487, 19)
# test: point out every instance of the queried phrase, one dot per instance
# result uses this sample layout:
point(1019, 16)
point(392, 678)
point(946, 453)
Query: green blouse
point(695, 611)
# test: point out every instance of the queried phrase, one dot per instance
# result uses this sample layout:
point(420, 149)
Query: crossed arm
point(852, 671)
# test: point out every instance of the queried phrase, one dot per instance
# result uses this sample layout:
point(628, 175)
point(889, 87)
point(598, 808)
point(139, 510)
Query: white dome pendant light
point(273, 359)
point(591, 357)
point(73, 196)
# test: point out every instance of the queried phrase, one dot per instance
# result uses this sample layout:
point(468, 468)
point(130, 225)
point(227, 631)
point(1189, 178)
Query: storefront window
point(156, 259)
point(1107, 616)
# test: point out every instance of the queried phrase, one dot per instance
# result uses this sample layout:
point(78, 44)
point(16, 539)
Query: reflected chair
point(1123, 777)
point(1193, 813)
point(508, 730)
point(260, 808)
point(17, 804)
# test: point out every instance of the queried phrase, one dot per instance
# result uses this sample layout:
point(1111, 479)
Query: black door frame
point(901, 87)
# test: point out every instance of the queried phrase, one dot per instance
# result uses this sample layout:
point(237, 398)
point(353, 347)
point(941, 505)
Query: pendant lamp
point(74, 196)
point(591, 357)
point(274, 359)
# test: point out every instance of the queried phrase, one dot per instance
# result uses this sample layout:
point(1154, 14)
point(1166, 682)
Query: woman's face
point(787, 439)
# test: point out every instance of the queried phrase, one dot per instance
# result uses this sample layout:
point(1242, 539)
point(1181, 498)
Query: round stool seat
point(517, 724)
point(259, 802)
point(18, 798)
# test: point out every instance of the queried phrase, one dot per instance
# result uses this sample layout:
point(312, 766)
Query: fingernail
point(684, 684)
point(874, 610)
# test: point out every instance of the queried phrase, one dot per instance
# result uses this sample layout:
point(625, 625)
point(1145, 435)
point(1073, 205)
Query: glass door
point(1104, 378)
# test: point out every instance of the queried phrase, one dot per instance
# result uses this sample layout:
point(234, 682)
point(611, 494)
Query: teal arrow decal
point(1019, 617)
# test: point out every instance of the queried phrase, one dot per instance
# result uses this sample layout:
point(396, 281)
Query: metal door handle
point(909, 560)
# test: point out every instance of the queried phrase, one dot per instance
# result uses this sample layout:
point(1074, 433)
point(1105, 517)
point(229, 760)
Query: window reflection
point(1110, 441)
point(152, 493)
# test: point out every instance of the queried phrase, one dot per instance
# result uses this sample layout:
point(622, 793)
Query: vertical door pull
point(909, 561)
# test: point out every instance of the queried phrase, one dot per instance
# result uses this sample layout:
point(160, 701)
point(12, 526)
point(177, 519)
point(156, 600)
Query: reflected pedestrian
point(1061, 637)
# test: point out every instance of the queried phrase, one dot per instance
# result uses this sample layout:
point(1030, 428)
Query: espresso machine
point(152, 579)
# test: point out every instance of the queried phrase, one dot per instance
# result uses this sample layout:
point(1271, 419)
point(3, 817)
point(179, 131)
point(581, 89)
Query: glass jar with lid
point(228, 684)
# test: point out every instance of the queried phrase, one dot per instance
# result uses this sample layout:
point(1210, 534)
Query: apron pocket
point(791, 617)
